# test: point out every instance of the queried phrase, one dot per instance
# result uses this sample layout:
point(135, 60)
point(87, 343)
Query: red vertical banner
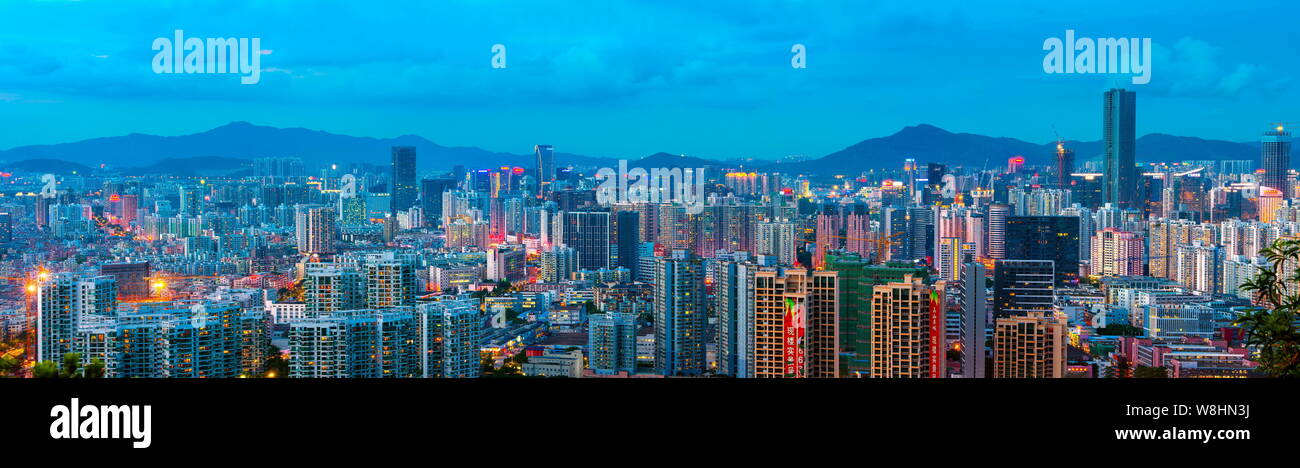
point(793, 338)
point(937, 350)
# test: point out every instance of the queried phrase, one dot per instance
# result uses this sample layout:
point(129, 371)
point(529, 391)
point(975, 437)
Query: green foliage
point(71, 368)
point(276, 364)
point(1271, 329)
point(1119, 329)
point(45, 370)
point(95, 370)
point(9, 366)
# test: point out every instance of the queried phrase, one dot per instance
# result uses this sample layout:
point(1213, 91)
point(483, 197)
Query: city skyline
point(302, 227)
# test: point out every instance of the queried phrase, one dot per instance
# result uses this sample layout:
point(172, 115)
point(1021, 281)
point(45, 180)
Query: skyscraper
point(1029, 346)
point(795, 324)
point(545, 166)
point(1064, 165)
point(611, 337)
point(974, 319)
point(431, 191)
point(858, 276)
point(627, 237)
point(733, 306)
point(390, 279)
point(62, 301)
point(558, 263)
point(1022, 286)
point(997, 225)
point(920, 233)
point(404, 189)
point(777, 239)
point(1276, 159)
point(331, 287)
point(587, 232)
point(1117, 253)
point(1054, 238)
point(453, 336)
point(506, 263)
point(132, 279)
point(316, 227)
point(907, 330)
point(680, 316)
point(366, 343)
point(1119, 137)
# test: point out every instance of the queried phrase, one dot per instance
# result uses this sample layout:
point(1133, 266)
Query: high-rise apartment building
point(64, 301)
point(907, 329)
point(795, 324)
point(777, 238)
point(364, 343)
point(1029, 346)
point(1117, 253)
point(974, 304)
point(733, 285)
point(681, 320)
point(997, 228)
point(611, 339)
point(317, 229)
point(390, 278)
point(858, 277)
point(329, 287)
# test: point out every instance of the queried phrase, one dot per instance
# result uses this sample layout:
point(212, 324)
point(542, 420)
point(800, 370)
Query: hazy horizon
point(627, 78)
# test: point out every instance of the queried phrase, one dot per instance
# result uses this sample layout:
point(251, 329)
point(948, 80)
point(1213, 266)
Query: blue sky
point(628, 78)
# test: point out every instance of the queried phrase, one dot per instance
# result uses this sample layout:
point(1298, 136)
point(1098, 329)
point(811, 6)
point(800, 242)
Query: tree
point(1271, 327)
point(276, 364)
point(9, 366)
point(1120, 329)
point(71, 368)
point(95, 370)
point(71, 363)
point(45, 370)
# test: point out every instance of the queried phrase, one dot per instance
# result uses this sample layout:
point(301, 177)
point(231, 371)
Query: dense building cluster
point(1078, 266)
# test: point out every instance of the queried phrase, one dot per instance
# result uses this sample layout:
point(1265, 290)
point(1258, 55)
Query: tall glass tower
point(1276, 160)
point(1118, 116)
point(545, 166)
point(404, 189)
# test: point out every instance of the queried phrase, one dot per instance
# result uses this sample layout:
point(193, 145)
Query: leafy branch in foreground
point(1271, 326)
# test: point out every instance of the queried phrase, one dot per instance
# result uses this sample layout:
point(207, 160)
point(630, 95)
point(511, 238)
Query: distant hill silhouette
point(227, 150)
point(927, 143)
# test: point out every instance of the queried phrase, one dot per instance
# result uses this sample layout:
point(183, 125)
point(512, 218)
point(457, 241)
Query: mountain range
point(228, 149)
